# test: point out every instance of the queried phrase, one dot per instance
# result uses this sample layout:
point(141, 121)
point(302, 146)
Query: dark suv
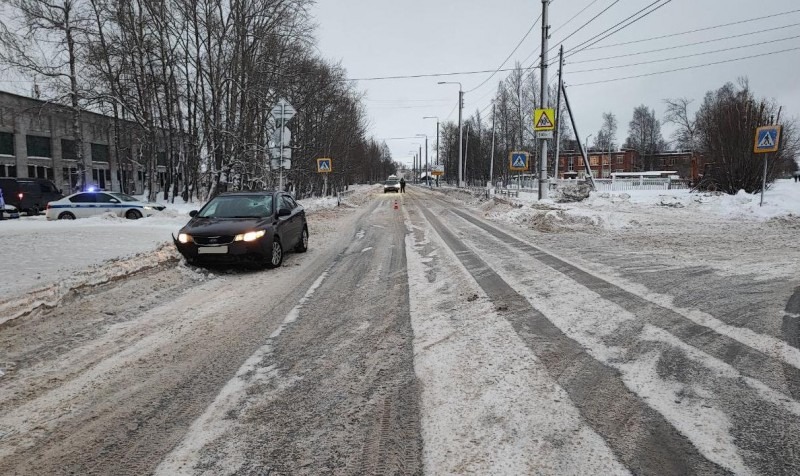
point(29, 195)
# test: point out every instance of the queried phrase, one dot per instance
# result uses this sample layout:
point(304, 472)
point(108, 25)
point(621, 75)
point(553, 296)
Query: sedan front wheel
point(276, 259)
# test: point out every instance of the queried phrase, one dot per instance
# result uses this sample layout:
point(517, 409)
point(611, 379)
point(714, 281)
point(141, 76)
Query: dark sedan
point(244, 227)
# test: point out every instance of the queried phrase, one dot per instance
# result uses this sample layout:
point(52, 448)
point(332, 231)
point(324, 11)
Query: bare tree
point(726, 125)
point(59, 24)
point(678, 114)
point(644, 136)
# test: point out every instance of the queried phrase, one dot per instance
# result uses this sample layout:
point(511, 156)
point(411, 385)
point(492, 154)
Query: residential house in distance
point(36, 141)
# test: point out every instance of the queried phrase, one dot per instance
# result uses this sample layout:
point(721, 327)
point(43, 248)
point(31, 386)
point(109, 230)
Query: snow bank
point(620, 210)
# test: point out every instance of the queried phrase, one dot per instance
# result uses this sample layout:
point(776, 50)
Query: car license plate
point(212, 250)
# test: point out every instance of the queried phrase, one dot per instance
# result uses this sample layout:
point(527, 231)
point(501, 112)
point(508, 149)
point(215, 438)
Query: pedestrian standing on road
point(402, 185)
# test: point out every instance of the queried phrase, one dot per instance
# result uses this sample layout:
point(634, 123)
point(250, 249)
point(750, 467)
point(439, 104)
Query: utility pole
point(466, 154)
point(420, 157)
point(460, 133)
point(578, 138)
point(491, 160)
point(543, 182)
point(460, 138)
point(427, 171)
point(558, 111)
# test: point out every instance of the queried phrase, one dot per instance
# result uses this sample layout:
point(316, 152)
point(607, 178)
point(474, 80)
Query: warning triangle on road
point(767, 141)
point(519, 161)
point(544, 122)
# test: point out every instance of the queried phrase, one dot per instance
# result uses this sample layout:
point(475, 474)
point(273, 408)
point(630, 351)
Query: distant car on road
point(86, 204)
point(391, 185)
point(244, 228)
point(29, 195)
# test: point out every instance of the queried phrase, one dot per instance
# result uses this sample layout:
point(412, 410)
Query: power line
point(605, 34)
point(685, 56)
point(538, 48)
point(749, 20)
point(509, 55)
point(574, 17)
point(687, 68)
point(684, 46)
point(427, 75)
point(583, 26)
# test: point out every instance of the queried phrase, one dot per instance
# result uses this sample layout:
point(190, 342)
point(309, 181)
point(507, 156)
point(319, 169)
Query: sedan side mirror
point(193, 213)
point(284, 212)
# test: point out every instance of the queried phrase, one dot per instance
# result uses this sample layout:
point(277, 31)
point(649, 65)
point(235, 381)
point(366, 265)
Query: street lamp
point(460, 135)
point(427, 171)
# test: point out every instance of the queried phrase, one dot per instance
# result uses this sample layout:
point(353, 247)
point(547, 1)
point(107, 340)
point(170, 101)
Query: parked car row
point(30, 196)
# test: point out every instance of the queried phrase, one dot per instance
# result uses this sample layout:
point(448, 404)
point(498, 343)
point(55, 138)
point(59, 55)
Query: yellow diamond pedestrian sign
point(324, 165)
point(544, 120)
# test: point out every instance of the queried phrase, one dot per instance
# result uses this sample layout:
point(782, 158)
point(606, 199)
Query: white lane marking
point(214, 422)
point(360, 235)
point(366, 249)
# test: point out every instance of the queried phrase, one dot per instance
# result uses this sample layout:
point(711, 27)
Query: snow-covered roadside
point(50, 258)
point(697, 408)
point(621, 210)
point(480, 383)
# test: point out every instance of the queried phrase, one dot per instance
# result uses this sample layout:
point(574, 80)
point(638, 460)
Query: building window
point(39, 171)
point(99, 176)
point(68, 150)
point(571, 163)
point(620, 159)
point(672, 161)
point(70, 176)
point(6, 143)
point(162, 158)
point(594, 161)
point(99, 153)
point(38, 146)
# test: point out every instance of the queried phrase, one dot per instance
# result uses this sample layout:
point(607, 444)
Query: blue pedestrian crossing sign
point(324, 166)
point(518, 161)
point(768, 139)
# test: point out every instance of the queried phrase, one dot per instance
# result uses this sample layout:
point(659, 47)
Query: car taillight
point(48, 206)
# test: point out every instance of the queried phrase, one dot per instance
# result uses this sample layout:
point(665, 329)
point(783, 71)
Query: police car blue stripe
point(94, 205)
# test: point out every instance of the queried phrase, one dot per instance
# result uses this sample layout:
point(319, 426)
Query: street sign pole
point(764, 180)
point(280, 168)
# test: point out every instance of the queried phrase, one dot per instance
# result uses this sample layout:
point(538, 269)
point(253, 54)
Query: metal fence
point(626, 185)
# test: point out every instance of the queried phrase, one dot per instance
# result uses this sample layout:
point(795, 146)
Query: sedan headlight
point(184, 238)
point(250, 235)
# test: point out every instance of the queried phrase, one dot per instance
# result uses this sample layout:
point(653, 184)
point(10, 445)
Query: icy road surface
point(422, 334)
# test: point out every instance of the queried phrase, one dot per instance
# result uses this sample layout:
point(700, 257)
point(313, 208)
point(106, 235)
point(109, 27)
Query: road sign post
point(324, 167)
point(768, 139)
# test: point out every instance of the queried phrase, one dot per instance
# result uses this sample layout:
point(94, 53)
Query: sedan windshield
point(258, 206)
point(392, 182)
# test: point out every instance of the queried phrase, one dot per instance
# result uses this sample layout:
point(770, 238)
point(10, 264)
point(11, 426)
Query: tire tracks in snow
point(641, 438)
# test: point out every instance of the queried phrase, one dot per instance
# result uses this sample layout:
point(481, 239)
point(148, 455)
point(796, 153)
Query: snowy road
point(417, 338)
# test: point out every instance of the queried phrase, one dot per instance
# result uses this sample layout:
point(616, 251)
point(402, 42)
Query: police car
point(86, 204)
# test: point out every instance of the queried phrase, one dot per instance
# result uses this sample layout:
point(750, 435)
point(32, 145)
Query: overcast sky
point(391, 37)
